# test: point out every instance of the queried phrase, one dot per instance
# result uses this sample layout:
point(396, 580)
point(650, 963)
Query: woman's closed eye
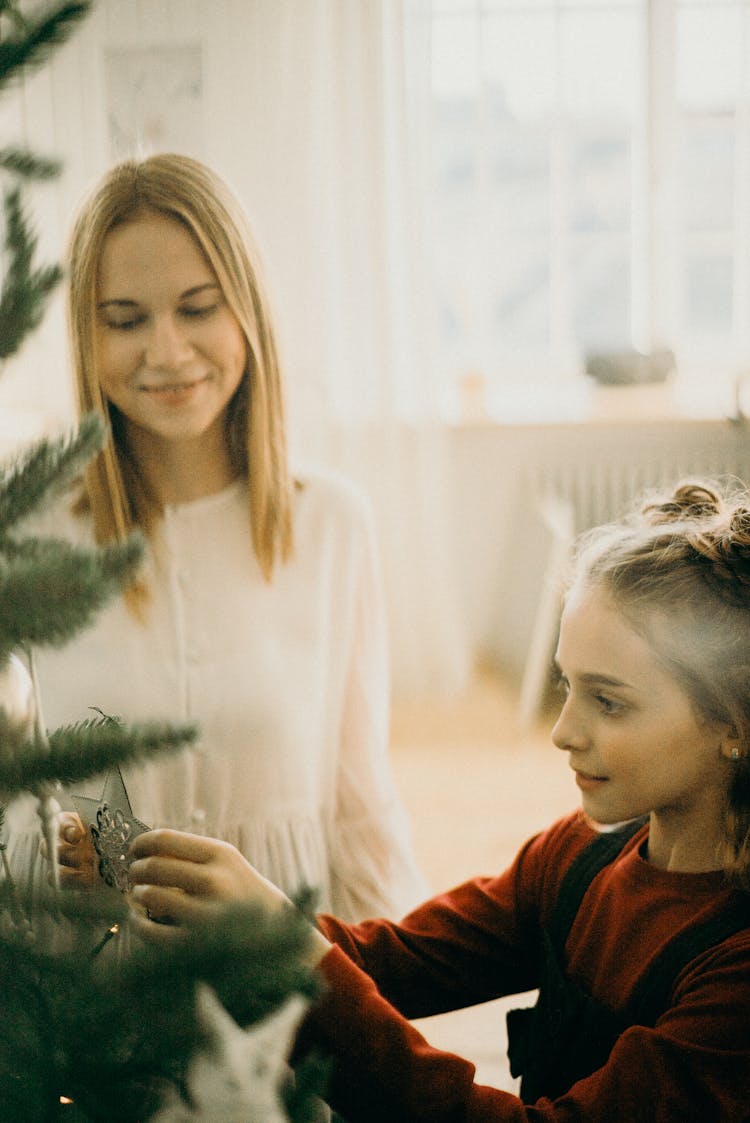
point(124, 323)
point(199, 311)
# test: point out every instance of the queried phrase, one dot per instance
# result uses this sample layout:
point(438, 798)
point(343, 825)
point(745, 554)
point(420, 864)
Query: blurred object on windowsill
point(627, 366)
point(741, 412)
point(649, 401)
point(473, 396)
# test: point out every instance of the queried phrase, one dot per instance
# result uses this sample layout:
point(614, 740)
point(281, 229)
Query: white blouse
point(287, 681)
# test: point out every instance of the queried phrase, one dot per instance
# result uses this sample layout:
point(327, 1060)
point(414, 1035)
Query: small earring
point(735, 754)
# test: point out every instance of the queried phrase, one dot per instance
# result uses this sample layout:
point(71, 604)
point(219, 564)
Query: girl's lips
point(586, 782)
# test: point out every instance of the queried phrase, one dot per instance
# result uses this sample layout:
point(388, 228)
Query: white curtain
point(335, 164)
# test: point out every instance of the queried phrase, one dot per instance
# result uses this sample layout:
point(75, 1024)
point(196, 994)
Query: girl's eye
point(608, 705)
point(562, 686)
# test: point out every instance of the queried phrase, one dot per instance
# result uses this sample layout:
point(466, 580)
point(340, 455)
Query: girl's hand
point(178, 878)
point(76, 856)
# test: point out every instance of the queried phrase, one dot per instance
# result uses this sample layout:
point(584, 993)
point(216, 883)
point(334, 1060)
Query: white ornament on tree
point(237, 1075)
point(17, 697)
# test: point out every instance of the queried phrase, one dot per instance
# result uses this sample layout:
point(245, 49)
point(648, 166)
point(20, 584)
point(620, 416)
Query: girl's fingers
point(162, 913)
point(201, 866)
point(175, 844)
point(188, 876)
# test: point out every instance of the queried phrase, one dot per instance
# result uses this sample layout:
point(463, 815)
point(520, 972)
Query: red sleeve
point(694, 1065)
point(385, 1069)
point(471, 944)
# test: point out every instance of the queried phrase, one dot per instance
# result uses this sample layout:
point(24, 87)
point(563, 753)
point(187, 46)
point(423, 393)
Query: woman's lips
point(173, 391)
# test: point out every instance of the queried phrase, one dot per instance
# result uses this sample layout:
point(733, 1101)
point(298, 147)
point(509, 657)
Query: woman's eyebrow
point(117, 303)
point(200, 288)
point(122, 302)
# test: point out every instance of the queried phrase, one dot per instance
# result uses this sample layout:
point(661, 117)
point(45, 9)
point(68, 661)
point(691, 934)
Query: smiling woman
point(258, 612)
point(171, 355)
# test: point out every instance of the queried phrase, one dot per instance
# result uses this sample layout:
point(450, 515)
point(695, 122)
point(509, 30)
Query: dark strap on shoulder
point(586, 865)
point(652, 992)
point(568, 1034)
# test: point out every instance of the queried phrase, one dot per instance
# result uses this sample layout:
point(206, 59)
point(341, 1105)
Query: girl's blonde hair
point(679, 570)
point(189, 192)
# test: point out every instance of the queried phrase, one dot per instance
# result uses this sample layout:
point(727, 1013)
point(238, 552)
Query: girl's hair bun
point(688, 501)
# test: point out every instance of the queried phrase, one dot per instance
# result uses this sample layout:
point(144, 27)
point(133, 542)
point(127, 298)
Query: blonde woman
point(258, 613)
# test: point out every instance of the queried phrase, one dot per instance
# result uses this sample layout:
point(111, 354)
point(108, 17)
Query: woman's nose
point(167, 347)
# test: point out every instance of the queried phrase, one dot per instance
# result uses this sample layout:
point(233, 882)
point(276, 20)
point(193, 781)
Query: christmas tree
point(196, 1032)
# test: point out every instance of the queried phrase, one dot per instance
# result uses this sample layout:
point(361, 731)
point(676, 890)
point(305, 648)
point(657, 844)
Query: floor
point(476, 785)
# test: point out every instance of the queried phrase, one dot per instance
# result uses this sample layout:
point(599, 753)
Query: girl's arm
point(693, 1065)
point(681, 1069)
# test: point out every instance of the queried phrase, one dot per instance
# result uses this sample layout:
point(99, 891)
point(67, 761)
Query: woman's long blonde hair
point(186, 190)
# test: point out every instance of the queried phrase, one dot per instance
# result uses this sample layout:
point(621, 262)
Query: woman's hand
point(76, 856)
point(178, 878)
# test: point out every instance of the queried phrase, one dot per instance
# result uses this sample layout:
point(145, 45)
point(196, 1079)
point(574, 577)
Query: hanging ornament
point(16, 701)
point(237, 1075)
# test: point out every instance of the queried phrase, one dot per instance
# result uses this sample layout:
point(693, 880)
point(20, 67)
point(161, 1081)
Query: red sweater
point(476, 942)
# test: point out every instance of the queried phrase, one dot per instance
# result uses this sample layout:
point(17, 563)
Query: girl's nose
point(568, 732)
point(167, 347)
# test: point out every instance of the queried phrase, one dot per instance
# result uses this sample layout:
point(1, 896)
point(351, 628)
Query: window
point(590, 186)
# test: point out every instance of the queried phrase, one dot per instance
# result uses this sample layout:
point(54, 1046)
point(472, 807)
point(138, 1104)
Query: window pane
point(601, 178)
point(519, 177)
point(455, 58)
point(519, 283)
point(454, 147)
point(709, 288)
point(601, 64)
point(709, 54)
point(518, 61)
point(600, 271)
point(708, 151)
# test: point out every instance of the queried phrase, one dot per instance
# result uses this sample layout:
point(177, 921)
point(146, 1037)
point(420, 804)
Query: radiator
point(601, 471)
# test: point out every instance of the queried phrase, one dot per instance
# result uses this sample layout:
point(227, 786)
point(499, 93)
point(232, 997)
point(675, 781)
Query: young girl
point(631, 915)
point(258, 614)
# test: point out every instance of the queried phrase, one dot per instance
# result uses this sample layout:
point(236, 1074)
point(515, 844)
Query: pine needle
point(46, 469)
point(26, 165)
point(25, 289)
point(78, 752)
point(51, 589)
point(38, 38)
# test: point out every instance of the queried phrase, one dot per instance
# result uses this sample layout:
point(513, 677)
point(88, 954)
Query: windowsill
point(582, 401)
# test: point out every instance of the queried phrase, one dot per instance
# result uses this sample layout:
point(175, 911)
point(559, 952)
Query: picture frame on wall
point(155, 100)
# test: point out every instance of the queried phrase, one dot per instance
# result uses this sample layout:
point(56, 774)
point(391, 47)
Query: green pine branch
point(35, 39)
point(114, 1036)
point(78, 752)
point(25, 288)
point(253, 959)
point(51, 589)
point(24, 164)
point(45, 470)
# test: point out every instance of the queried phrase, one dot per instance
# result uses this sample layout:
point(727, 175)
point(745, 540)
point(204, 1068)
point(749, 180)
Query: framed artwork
point(154, 100)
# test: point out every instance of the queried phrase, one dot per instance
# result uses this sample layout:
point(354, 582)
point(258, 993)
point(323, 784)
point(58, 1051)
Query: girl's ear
point(732, 745)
